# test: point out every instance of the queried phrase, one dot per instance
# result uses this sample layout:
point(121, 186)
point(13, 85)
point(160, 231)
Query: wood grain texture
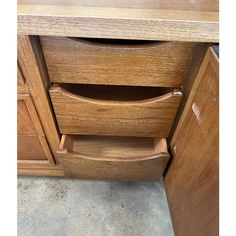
point(197, 59)
point(150, 117)
point(113, 158)
point(20, 78)
point(201, 5)
point(31, 141)
point(38, 168)
point(25, 124)
point(30, 148)
point(27, 119)
point(192, 181)
point(114, 62)
point(31, 60)
point(21, 83)
point(171, 20)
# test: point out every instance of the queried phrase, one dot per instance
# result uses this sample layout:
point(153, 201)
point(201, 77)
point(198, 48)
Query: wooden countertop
point(170, 20)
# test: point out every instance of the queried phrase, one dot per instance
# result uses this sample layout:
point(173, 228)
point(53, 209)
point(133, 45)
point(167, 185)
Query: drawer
point(113, 158)
point(117, 62)
point(114, 110)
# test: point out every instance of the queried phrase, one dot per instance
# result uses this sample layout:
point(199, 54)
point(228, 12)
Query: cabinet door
point(192, 179)
point(32, 144)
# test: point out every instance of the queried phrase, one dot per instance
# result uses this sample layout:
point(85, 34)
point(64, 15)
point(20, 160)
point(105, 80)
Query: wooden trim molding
point(38, 168)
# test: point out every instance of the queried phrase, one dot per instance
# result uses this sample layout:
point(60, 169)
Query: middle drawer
point(115, 110)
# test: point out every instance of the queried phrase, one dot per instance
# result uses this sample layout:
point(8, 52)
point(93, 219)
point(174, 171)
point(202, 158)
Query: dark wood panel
point(192, 180)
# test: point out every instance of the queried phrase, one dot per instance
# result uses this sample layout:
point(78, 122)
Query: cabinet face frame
point(21, 83)
point(36, 122)
point(31, 62)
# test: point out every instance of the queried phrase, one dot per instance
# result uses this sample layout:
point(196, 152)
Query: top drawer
point(117, 62)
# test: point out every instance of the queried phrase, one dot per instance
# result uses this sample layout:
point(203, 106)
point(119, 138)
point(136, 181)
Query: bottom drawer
point(113, 158)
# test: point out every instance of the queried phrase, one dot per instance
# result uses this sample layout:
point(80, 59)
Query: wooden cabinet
point(192, 180)
point(121, 70)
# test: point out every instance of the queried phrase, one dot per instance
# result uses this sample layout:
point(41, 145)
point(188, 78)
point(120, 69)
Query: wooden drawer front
point(31, 148)
point(113, 158)
point(96, 61)
point(152, 117)
point(31, 141)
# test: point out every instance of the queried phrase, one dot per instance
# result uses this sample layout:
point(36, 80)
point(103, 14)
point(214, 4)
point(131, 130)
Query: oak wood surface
point(25, 124)
point(202, 5)
point(30, 148)
point(31, 141)
point(197, 59)
point(118, 158)
point(192, 180)
point(20, 78)
point(21, 83)
point(114, 62)
point(169, 20)
point(38, 168)
point(27, 119)
point(31, 60)
point(150, 117)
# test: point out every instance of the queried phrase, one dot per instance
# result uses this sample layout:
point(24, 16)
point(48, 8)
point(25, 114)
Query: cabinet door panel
point(192, 180)
point(30, 148)
point(31, 141)
point(27, 119)
point(25, 123)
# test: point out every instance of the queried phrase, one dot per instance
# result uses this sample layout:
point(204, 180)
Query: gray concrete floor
point(68, 207)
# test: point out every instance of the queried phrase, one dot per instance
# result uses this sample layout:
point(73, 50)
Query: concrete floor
point(65, 207)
